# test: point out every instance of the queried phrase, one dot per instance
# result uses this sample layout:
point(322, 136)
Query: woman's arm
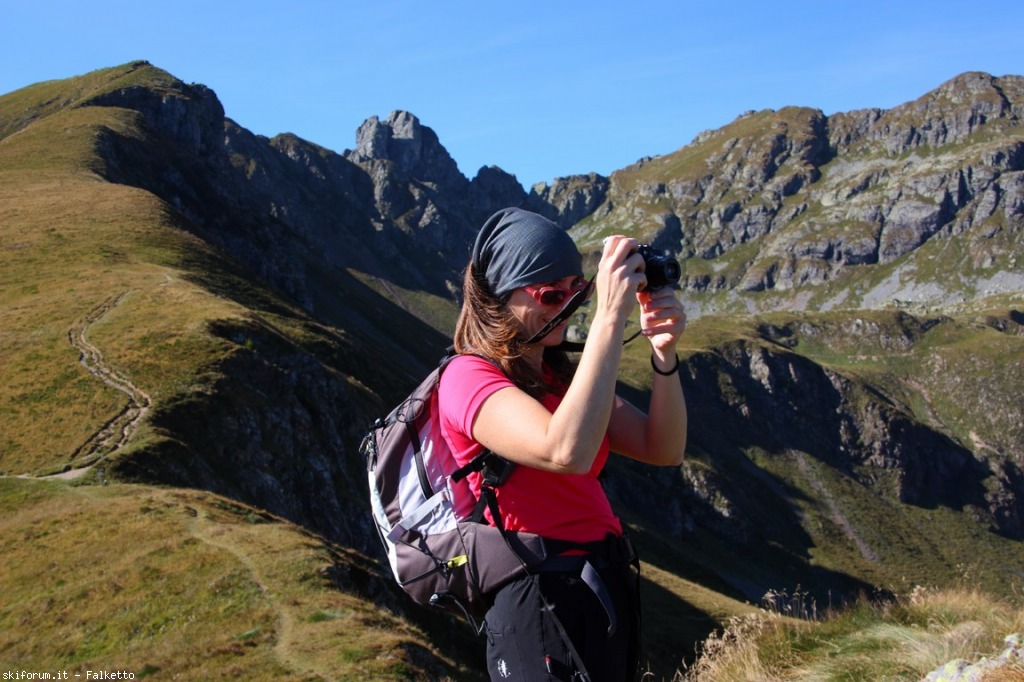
point(518, 427)
point(658, 437)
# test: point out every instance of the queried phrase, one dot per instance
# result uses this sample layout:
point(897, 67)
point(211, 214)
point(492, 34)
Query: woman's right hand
point(620, 274)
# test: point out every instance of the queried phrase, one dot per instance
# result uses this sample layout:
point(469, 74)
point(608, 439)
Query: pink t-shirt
point(559, 506)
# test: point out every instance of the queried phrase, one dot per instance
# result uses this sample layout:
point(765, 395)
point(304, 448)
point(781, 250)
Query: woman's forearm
point(666, 417)
point(579, 424)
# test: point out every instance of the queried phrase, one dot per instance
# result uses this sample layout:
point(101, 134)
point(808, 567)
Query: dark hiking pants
point(524, 641)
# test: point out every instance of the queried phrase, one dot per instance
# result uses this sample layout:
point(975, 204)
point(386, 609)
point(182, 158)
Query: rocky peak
point(946, 115)
point(813, 199)
point(189, 116)
point(571, 199)
point(414, 149)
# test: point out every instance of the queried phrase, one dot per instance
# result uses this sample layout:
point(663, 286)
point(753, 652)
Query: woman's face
point(529, 305)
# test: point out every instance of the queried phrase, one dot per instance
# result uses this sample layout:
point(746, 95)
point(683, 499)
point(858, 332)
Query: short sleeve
point(466, 383)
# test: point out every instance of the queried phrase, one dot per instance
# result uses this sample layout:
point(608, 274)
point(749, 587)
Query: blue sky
point(540, 89)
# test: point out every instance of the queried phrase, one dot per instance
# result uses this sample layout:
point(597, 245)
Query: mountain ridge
point(276, 296)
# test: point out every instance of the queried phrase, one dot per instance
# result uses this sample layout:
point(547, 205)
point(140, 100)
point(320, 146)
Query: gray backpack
point(440, 547)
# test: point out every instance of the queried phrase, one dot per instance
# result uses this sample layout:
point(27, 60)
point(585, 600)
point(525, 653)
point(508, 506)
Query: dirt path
point(117, 431)
point(237, 541)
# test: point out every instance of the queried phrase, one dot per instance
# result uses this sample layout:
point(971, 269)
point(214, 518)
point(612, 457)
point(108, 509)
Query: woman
point(519, 397)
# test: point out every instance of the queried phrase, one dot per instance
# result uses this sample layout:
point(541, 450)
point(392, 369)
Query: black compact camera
point(661, 270)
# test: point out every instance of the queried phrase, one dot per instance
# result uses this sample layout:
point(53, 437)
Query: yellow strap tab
point(457, 561)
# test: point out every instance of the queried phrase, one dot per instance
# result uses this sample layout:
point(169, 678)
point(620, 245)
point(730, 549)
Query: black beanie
point(517, 248)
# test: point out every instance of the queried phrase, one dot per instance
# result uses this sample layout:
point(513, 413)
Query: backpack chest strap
point(411, 519)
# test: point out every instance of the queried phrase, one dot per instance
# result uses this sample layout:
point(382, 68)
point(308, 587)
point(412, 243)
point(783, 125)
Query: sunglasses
point(548, 295)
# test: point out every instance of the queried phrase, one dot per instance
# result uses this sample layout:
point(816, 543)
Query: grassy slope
point(136, 578)
point(188, 585)
point(51, 404)
point(912, 545)
point(74, 247)
point(71, 242)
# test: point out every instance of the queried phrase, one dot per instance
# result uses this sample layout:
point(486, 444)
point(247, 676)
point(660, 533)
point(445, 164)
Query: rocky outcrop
point(412, 150)
point(493, 189)
point(960, 670)
point(950, 114)
point(749, 393)
point(187, 117)
point(570, 200)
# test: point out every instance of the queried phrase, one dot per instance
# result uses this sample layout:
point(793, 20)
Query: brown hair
point(487, 328)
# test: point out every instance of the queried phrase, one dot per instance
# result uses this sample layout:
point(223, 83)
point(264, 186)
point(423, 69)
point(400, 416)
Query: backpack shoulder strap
point(495, 471)
point(495, 468)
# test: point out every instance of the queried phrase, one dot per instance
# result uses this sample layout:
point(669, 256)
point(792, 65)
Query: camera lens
point(661, 271)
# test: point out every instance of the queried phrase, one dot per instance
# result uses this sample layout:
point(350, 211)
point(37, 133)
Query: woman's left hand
point(659, 436)
point(662, 318)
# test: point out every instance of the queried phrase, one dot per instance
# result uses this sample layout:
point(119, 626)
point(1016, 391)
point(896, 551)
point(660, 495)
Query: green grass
point(188, 585)
point(69, 243)
point(71, 246)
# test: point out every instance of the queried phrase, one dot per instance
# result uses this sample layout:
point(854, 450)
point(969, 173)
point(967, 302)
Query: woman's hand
point(658, 437)
point(620, 274)
point(662, 319)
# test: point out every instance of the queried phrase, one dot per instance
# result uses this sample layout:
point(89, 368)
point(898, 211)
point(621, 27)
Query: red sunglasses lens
point(552, 296)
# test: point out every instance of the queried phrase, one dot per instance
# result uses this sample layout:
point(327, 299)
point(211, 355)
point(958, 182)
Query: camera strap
point(571, 306)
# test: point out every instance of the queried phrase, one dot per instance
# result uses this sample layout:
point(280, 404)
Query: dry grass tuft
point(896, 639)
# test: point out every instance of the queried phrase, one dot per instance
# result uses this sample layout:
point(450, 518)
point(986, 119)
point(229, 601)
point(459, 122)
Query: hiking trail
point(117, 431)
